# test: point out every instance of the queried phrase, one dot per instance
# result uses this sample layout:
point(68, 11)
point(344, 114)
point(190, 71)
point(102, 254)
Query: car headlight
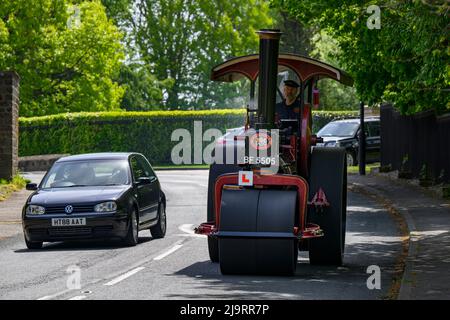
point(33, 209)
point(108, 206)
point(330, 144)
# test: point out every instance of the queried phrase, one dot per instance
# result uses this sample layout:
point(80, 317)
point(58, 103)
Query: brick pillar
point(9, 124)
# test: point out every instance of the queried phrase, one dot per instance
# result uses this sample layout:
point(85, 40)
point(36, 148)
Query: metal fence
point(421, 143)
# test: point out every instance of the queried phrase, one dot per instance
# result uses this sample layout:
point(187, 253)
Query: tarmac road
point(178, 266)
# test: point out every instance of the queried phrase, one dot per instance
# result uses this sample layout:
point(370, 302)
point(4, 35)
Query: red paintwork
point(305, 141)
point(305, 68)
point(265, 180)
point(315, 140)
point(304, 230)
point(316, 100)
point(319, 201)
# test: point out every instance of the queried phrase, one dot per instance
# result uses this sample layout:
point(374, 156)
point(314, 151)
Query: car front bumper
point(98, 226)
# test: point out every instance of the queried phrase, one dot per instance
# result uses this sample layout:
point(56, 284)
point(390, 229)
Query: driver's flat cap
point(291, 83)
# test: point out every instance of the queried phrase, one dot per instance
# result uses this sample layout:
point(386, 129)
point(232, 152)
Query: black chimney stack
point(269, 40)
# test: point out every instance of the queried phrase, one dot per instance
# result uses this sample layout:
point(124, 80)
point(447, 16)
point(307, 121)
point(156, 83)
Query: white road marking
point(171, 250)
point(124, 276)
point(78, 298)
point(45, 298)
point(189, 229)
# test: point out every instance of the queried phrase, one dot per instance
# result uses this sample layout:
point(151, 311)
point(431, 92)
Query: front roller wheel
point(329, 172)
point(256, 232)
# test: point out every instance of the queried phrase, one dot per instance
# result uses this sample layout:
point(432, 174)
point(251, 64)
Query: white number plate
point(260, 160)
point(62, 222)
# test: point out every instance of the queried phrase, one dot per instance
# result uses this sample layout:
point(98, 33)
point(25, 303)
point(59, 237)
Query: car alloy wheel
point(134, 225)
point(162, 217)
point(350, 159)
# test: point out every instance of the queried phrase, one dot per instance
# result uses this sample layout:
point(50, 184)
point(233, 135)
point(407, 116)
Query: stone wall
point(38, 163)
point(9, 124)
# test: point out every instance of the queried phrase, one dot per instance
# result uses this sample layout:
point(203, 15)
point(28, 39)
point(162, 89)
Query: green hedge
point(145, 132)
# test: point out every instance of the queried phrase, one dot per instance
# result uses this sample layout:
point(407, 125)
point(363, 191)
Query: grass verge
point(8, 187)
point(355, 169)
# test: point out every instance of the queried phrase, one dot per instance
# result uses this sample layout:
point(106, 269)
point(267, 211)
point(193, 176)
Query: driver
point(290, 106)
point(81, 174)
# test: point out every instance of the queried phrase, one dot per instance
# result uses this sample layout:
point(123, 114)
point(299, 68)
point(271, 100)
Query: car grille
point(102, 229)
point(76, 209)
point(69, 231)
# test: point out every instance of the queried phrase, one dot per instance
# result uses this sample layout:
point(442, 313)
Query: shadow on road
point(372, 239)
point(313, 282)
point(84, 245)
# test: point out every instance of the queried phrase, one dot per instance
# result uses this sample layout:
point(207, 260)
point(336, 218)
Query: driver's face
point(290, 92)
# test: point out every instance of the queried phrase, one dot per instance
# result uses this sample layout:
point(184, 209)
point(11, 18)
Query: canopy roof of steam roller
point(305, 68)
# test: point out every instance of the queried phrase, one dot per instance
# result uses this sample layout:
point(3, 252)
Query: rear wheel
point(132, 236)
point(33, 244)
point(329, 172)
point(213, 249)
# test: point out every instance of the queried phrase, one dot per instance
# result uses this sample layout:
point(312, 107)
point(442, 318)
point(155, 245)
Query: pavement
point(178, 266)
point(427, 266)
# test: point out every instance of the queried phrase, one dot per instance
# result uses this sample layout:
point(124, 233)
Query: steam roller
point(280, 191)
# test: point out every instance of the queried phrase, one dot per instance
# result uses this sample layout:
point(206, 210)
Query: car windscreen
point(339, 129)
point(87, 173)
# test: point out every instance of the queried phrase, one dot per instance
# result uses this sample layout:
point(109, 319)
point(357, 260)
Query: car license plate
point(62, 222)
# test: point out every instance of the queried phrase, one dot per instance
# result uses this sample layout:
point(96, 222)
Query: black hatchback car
point(99, 195)
point(345, 133)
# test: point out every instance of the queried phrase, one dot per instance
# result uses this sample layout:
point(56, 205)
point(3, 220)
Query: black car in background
point(101, 195)
point(345, 133)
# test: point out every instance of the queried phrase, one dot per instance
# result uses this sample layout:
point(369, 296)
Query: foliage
point(145, 132)
point(142, 90)
point(296, 38)
point(406, 61)
point(65, 63)
point(7, 187)
point(333, 95)
point(118, 10)
point(183, 40)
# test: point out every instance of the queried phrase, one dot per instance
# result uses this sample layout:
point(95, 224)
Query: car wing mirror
point(31, 186)
point(144, 180)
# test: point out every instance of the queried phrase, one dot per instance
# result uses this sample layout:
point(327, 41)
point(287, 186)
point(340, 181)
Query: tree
point(333, 95)
point(406, 61)
point(184, 39)
point(118, 10)
point(297, 38)
point(308, 41)
point(143, 91)
point(66, 53)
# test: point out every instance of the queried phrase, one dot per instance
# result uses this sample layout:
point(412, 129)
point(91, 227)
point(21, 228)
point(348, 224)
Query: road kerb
point(400, 287)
